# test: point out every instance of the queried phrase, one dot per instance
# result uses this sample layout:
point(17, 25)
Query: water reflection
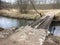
point(55, 28)
point(8, 23)
point(57, 31)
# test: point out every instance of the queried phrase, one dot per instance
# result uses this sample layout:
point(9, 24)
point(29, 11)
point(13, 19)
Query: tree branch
point(35, 8)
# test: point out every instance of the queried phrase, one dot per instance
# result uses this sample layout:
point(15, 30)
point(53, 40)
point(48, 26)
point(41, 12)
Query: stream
point(55, 28)
point(8, 23)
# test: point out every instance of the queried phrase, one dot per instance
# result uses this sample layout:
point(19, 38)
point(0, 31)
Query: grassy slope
point(16, 13)
point(31, 15)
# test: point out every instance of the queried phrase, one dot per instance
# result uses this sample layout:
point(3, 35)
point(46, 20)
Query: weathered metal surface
point(32, 35)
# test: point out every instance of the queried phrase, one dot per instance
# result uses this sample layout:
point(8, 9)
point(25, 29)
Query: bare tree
point(0, 4)
point(23, 4)
point(58, 3)
point(32, 2)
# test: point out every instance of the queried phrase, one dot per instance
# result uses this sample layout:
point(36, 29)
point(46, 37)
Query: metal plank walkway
point(35, 33)
point(44, 22)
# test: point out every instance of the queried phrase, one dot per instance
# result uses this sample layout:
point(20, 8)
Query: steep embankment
point(52, 40)
point(31, 14)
